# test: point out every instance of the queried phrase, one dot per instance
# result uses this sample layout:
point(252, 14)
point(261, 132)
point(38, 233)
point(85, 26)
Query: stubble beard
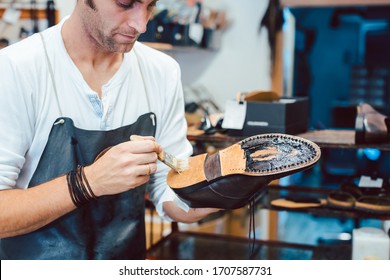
point(111, 45)
point(95, 29)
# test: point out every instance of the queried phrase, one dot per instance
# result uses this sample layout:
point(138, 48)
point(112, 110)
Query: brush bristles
point(182, 165)
point(179, 165)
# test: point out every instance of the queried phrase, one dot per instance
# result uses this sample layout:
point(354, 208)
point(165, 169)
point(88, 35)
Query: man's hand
point(193, 215)
point(123, 167)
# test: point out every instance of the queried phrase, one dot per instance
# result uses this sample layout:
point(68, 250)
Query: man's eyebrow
point(143, 1)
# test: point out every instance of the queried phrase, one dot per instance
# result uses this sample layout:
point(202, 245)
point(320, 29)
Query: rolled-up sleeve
point(172, 137)
point(15, 120)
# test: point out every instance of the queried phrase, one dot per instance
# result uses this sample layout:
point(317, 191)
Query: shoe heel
point(359, 129)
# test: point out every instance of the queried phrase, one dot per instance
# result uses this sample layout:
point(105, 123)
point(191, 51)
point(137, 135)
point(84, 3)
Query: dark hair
point(4, 41)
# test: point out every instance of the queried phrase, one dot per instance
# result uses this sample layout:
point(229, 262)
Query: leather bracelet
point(79, 189)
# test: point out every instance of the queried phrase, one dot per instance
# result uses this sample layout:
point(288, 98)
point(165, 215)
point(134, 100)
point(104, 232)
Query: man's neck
point(95, 64)
point(86, 50)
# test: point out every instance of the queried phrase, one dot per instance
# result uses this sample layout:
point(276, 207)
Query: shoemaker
point(72, 184)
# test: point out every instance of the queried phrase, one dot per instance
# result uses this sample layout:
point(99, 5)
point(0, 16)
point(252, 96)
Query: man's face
point(115, 25)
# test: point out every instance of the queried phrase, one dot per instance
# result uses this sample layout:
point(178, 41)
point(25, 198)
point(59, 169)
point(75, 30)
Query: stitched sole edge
point(311, 160)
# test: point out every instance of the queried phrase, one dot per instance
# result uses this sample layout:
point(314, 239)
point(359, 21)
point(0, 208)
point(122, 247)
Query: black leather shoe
point(229, 178)
point(350, 196)
point(371, 126)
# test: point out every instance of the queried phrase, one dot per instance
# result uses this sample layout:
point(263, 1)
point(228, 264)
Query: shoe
point(230, 178)
point(376, 204)
point(294, 202)
point(371, 126)
point(350, 196)
point(345, 197)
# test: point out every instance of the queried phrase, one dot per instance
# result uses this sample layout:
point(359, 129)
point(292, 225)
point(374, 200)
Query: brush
point(178, 165)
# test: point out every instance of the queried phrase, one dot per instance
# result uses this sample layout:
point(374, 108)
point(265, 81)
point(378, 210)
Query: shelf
point(165, 47)
point(26, 14)
point(203, 246)
point(276, 191)
point(159, 46)
point(324, 138)
point(339, 139)
point(212, 138)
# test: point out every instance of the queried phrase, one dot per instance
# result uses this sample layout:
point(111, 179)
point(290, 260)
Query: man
point(72, 184)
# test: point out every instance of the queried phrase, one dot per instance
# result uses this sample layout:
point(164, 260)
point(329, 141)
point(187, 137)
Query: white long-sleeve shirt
point(147, 80)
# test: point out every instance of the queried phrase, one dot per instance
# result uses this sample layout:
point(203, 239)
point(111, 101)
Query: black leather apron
point(112, 227)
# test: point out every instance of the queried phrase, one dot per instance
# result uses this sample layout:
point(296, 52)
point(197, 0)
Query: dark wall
point(327, 58)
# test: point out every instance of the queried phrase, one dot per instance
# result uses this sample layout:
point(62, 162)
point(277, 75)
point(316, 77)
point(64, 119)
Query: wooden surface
point(26, 14)
point(339, 139)
point(328, 138)
point(169, 48)
point(199, 135)
point(159, 46)
point(331, 137)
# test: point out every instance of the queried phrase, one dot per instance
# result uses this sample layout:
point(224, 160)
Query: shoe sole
point(373, 204)
point(343, 200)
point(274, 155)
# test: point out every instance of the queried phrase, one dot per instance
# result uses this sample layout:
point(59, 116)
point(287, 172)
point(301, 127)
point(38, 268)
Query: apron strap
point(143, 81)
point(51, 72)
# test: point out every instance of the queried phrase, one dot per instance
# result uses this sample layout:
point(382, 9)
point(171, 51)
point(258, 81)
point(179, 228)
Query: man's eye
point(125, 4)
point(129, 4)
point(153, 4)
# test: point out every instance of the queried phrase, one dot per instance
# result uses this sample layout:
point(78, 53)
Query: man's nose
point(138, 19)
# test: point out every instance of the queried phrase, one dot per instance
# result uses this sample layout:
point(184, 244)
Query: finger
point(135, 137)
point(140, 147)
point(149, 168)
point(137, 147)
point(142, 159)
point(140, 180)
point(158, 148)
point(152, 168)
point(144, 169)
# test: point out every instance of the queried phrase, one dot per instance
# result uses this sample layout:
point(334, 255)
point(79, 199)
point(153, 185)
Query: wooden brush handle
point(134, 137)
